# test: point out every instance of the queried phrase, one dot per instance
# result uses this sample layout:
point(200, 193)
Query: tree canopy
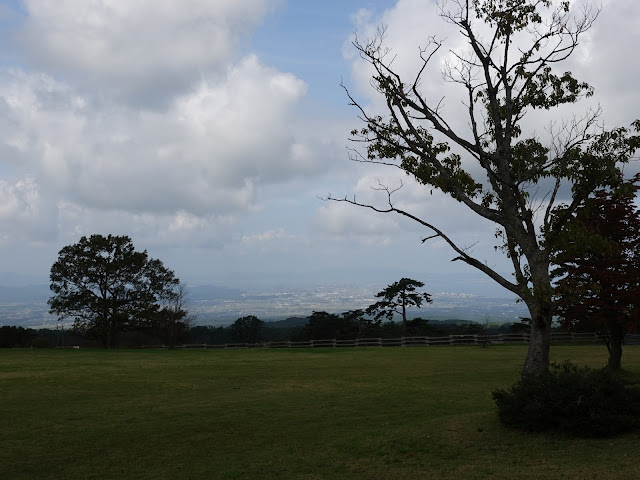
point(323, 326)
point(396, 298)
point(599, 268)
point(107, 286)
point(500, 168)
point(247, 329)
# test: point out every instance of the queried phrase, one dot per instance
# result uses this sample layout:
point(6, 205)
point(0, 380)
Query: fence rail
point(450, 340)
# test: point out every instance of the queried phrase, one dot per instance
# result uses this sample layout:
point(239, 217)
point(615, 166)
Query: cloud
point(81, 153)
point(345, 222)
point(154, 119)
point(205, 155)
point(25, 216)
point(603, 60)
point(141, 49)
point(178, 229)
point(274, 235)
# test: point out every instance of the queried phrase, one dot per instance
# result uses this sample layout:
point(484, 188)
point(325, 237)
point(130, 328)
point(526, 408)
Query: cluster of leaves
point(108, 287)
point(597, 257)
point(247, 329)
point(580, 402)
point(510, 15)
point(396, 298)
point(353, 324)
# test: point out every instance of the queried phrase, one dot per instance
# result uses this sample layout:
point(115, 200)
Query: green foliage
point(580, 402)
point(323, 326)
point(598, 268)
point(107, 286)
point(210, 335)
point(419, 327)
point(396, 298)
point(247, 330)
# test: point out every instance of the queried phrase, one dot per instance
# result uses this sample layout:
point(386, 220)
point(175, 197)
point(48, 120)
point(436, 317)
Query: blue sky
point(207, 131)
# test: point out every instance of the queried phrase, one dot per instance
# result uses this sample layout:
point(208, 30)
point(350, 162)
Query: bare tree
point(500, 81)
point(173, 320)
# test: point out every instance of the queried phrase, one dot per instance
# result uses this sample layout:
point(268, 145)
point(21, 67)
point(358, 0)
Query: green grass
point(396, 413)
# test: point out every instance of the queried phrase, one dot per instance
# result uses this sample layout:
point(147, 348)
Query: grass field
point(396, 413)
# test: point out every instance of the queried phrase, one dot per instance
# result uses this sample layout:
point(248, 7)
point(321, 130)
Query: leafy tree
point(323, 326)
point(210, 335)
point(581, 402)
point(419, 327)
point(499, 167)
point(367, 327)
point(107, 286)
point(247, 329)
point(396, 298)
point(599, 265)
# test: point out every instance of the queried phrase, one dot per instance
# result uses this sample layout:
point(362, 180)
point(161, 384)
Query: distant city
point(26, 305)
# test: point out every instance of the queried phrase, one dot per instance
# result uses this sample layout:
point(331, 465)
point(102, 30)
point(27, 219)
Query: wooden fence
point(450, 340)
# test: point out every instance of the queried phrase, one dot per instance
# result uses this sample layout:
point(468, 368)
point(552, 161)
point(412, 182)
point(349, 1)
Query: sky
point(211, 132)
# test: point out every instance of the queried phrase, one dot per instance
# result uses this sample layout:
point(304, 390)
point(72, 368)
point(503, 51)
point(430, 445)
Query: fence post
point(451, 340)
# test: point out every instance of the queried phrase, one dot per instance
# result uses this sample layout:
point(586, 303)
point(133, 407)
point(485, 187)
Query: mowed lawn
point(369, 413)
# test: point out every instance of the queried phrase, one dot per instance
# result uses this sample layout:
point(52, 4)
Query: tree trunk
point(404, 319)
point(614, 363)
point(537, 361)
point(540, 306)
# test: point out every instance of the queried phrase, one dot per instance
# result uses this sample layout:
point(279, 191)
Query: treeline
point(346, 326)
point(20, 337)
point(250, 329)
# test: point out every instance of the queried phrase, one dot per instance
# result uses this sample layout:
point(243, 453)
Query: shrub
point(576, 401)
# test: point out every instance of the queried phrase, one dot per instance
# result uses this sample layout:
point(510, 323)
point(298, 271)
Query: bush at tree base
point(581, 402)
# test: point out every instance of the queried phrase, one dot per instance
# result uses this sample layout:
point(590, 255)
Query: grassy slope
point(301, 414)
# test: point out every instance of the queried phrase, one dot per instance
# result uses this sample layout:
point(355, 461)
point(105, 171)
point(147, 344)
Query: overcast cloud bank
point(156, 119)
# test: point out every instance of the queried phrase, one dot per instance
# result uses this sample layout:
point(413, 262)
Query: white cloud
point(178, 229)
point(345, 222)
point(25, 216)
point(153, 119)
point(139, 47)
point(183, 169)
point(206, 155)
point(274, 235)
